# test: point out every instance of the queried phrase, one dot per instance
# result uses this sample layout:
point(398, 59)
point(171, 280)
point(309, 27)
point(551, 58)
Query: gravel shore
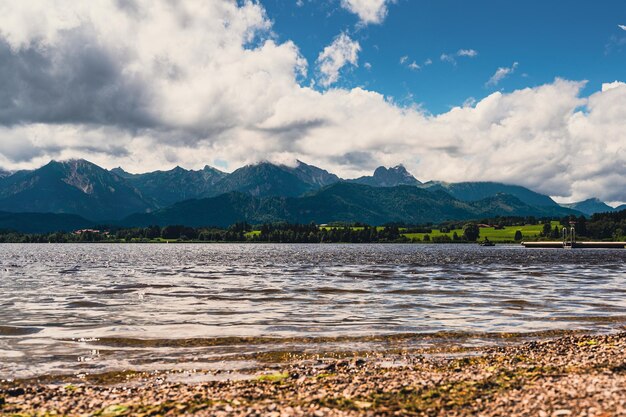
point(568, 376)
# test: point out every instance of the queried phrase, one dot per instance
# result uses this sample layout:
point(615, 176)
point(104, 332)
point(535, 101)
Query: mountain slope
point(474, 191)
point(221, 211)
point(388, 177)
point(376, 205)
point(509, 205)
point(342, 201)
point(265, 180)
point(75, 187)
point(312, 175)
point(168, 187)
point(590, 206)
point(42, 222)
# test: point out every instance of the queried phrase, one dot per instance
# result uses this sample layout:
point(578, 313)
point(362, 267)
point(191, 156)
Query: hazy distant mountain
point(338, 202)
point(591, 206)
point(42, 222)
point(76, 187)
point(168, 187)
point(509, 205)
point(4, 173)
point(388, 177)
point(475, 191)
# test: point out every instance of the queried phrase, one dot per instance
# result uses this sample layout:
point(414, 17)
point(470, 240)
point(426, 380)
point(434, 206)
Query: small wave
point(84, 304)
point(314, 340)
point(72, 270)
point(336, 290)
point(18, 331)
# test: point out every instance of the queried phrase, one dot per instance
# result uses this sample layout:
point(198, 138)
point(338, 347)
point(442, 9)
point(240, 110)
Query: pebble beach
point(573, 375)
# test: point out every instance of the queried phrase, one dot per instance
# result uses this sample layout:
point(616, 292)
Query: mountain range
point(263, 192)
point(72, 187)
point(388, 177)
point(593, 206)
point(340, 202)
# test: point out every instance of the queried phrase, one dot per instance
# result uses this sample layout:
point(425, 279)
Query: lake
point(95, 308)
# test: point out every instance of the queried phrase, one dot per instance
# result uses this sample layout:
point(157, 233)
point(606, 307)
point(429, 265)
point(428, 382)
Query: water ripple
point(56, 297)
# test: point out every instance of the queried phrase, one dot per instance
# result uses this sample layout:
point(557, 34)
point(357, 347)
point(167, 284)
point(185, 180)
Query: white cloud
point(461, 53)
point(413, 66)
point(447, 58)
point(500, 74)
point(610, 86)
point(470, 53)
point(368, 11)
point(623, 27)
point(343, 51)
point(210, 85)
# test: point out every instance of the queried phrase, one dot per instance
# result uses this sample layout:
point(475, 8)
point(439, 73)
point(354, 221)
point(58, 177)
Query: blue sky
point(575, 40)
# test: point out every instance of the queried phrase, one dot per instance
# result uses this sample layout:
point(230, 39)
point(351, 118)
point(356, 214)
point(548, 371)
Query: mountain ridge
point(342, 201)
point(85, 189)
point(388, 177)
point(592, 206)
point(72, 187)
point(177, 184)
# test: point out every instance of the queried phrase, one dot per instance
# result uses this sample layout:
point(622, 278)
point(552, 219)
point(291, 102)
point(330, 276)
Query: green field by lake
point(507, 234)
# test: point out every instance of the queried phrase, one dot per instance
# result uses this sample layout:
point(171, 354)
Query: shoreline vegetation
point(600, 227)
point(571, 374)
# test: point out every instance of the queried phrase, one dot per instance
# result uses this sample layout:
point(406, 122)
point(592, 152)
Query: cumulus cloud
point(198, 82)
point(500, 74)
point(614, 84)
point(368, 11)
point(343, 51)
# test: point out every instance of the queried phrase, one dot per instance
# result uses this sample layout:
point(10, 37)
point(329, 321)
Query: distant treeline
point(240, 232)
point(605, 226)
point(601, 226)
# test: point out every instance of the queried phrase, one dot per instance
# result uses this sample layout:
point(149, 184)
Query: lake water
point(90, 308)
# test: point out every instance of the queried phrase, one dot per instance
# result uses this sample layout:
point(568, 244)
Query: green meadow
point(507, 234)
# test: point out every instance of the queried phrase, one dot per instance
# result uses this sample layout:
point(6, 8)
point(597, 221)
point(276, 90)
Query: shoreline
point(568, 375)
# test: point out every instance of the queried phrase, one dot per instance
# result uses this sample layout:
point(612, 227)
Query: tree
point(547, 229)
point(471, 232)
point(518, 235)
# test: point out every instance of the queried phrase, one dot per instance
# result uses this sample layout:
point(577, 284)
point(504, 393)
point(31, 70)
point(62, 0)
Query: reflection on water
point(60, 303)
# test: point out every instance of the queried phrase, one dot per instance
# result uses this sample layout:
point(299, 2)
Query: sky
point(529, 93)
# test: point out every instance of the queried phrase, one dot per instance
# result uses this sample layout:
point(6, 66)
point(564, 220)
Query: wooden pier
point(576, 245)
point(569, 242)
